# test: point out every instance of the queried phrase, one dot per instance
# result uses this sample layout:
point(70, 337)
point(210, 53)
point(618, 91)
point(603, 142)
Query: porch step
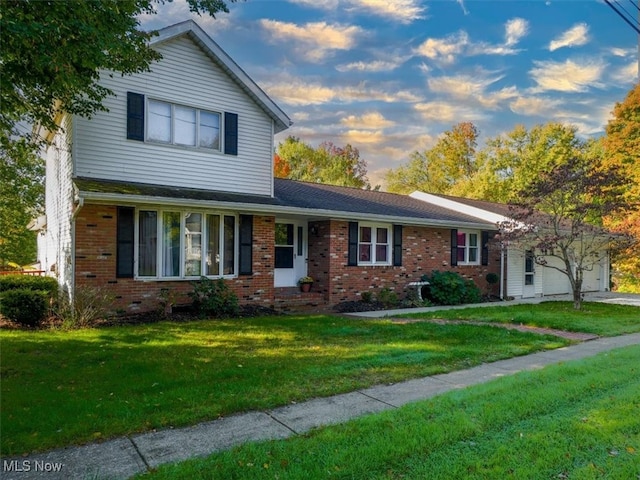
point(291, 299)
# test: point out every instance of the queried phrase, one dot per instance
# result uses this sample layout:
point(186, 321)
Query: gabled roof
point(224, 61)
point(311, 200)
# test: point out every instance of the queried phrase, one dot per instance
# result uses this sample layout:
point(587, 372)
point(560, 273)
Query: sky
point(389, 77)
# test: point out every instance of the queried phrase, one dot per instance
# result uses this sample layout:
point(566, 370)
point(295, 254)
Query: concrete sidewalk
point(124, 457)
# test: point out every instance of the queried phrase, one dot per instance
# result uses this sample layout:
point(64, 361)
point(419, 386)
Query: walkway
point(124, 457)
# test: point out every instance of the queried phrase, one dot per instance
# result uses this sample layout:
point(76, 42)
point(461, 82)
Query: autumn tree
point(622, 149)
point(328, 164)
point(436, 170)
point(559, 214)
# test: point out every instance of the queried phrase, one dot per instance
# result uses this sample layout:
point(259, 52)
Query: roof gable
point(229, 66)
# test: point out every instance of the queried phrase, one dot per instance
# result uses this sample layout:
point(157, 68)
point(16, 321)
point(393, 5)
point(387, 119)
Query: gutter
point(110, 198)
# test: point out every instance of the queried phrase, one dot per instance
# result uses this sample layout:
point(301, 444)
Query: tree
point(52, 56)
point(511, 161)
point(622, 149)
point(437, 170)
point(21, 190)
point(328, 164)
point(560, 215)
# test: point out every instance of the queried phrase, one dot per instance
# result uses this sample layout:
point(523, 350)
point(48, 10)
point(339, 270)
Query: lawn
point(71, 387)
point(575, 420)
point(598, 318)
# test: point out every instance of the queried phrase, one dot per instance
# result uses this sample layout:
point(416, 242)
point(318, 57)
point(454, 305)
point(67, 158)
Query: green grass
point(579, 420)
point(597, 318)
point(71, 387)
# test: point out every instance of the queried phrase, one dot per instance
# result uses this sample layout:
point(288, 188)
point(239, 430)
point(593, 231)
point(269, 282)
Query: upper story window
point(175, 124)
point(468, 248)
point(180, 125)
point(373, 245)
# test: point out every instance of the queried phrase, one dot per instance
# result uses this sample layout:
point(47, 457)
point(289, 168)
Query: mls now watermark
point(31, 466)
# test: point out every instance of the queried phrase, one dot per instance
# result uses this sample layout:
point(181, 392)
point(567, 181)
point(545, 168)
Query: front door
point(529, 287)
point(290, 253)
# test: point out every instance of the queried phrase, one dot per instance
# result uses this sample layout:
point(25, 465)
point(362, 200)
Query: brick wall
point(95, 256)
point(424, 250)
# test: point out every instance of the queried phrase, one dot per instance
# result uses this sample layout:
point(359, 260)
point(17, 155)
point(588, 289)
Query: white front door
point(290, 252)
point(529, 285)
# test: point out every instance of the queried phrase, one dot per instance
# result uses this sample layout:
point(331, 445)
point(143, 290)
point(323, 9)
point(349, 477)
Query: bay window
point(190, 244)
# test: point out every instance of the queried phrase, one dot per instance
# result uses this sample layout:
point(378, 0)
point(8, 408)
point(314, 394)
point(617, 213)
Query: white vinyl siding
point(55, 245)
point(185, 76)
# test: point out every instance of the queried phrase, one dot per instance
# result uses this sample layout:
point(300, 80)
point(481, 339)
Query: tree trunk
point(577, 295)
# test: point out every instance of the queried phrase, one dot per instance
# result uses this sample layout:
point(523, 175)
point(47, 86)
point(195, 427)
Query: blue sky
point(388, 77)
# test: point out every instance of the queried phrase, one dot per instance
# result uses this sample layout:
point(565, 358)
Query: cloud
point(472, 89)
point(371, 120)
point(625, 74)
point(444, 112)
point(358, 137)
point(446, 49)
point(575, 36)
point(534, 106)
point(515, 29)
point(568, 76)
point(313, 41)
point(403, 11)
point(293, 91)
point(373, 66)
point(464, 9)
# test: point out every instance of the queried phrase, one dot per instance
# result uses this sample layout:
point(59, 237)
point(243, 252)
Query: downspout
point(75, 213)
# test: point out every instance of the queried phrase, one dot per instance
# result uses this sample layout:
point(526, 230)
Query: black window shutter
point(135, 116)
point(352, 259)
point(485, 248)
point(246, 244)
point(124, 248)
point(454, 246)
point(230, 133)
point(397, 245)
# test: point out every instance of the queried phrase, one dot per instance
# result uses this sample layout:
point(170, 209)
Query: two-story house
point(175, 182)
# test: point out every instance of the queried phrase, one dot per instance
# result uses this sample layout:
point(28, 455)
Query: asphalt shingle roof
point(317, 199)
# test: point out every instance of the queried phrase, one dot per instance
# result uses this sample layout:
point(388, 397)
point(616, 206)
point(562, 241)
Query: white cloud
point(373, 66)
point(472, 89)
point(575, 36)
point(314, 41)
point(626, 74)
point(371, 120)
point(534, 106)
point(297, 92)
point(357, 137)
point(515, 29)
point(568, 76)
point(441, 111)
point(446, 49)
point(623, 52)
point(403, 11)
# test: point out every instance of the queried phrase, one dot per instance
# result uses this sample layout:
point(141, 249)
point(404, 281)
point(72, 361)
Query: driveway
point(614, 297)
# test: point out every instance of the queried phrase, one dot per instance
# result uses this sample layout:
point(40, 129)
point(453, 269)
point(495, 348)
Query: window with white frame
point(181, 125)
point(373, 244)
point(179, 244)
point(468, 248)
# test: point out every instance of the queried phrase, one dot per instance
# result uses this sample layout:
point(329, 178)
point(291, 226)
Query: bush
point(25, 306)
point(388, 298)
point(367, 297)
point(214, 298)
point(450, 288)
point(30, 282)
point(88, 305)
